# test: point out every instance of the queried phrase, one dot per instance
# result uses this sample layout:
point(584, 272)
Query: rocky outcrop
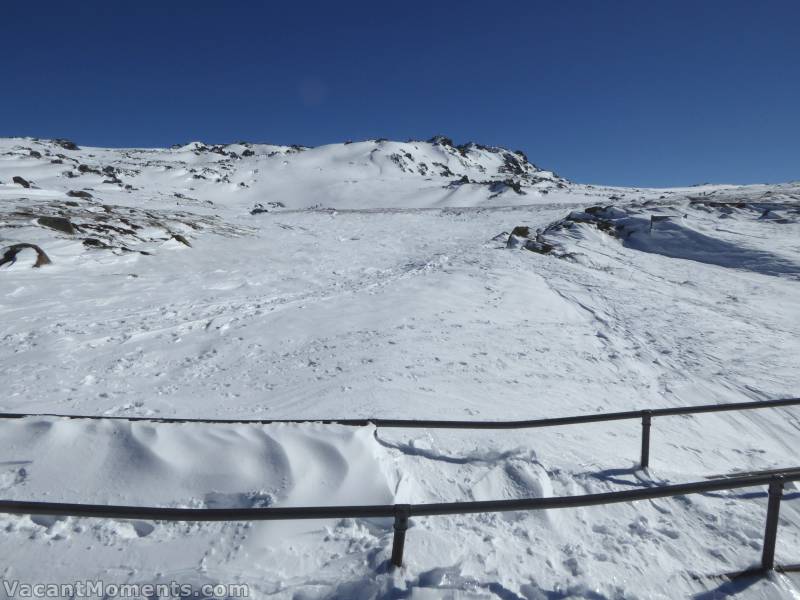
point(66, 144)
point(607, 219)
point(58, 223)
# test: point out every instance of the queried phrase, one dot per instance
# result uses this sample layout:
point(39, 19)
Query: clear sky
point(624, 92)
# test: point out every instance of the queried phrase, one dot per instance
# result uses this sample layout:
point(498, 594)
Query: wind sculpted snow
point(344, 282)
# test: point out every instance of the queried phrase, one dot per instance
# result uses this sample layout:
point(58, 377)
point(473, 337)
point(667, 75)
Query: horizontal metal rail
point(646, 417)
point(402, 512)
point(444, 424)
point(386, 510)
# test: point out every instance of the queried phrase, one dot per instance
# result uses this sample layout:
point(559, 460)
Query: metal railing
point(403, 512)
point(774, 479)
point(646, 417)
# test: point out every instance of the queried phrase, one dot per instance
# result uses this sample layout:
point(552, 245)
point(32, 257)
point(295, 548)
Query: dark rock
point(596, 210)
point(521, 230)
point(178, 237)
point(539, 246)
point(66, 144)
point(21, 181)
point(520, 237)
point(88, 169)
point(35, 154)
point(400, 162)
point(57, 223)
point(445, 170)
point(512, 165)
point(248, 152)
point(440, 140)
point(259, 208)
point(78, 194)
point(95, 243)
point(10, 255)
point(107, 229)
point(130, 224)
point(463, 180)
point(498, 187)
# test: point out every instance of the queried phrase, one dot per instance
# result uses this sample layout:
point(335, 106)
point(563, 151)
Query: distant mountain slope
point(369, 174)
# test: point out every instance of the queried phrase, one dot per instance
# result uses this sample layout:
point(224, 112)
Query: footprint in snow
point(13, 477)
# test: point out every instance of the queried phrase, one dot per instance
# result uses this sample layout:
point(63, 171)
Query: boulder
point(88, 169)
point(179, 238)
point(521, 231)
point(95, 243)
point(57, 223)
point(66, 144)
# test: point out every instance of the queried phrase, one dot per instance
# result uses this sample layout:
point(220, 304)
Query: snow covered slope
point(352, 281)
point(353, 175)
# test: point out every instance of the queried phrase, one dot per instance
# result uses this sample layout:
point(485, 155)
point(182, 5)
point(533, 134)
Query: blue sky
point(617, 92)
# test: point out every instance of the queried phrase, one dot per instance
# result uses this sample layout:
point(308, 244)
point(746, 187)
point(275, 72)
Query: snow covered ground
point(373, 279)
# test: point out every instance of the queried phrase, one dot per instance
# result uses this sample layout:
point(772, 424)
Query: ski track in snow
point(392, 299)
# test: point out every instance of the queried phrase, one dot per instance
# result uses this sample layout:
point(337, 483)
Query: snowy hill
point(390, 279)
point(382, 173)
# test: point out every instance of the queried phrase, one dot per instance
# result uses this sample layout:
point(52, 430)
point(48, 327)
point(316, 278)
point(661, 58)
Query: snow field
point(393, 301)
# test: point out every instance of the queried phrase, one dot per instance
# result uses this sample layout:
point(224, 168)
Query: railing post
point(647, 418)
point(771, 530)
point(401, 514)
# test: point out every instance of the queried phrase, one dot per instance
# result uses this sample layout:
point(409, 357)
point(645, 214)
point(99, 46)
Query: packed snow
point(390, 279)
